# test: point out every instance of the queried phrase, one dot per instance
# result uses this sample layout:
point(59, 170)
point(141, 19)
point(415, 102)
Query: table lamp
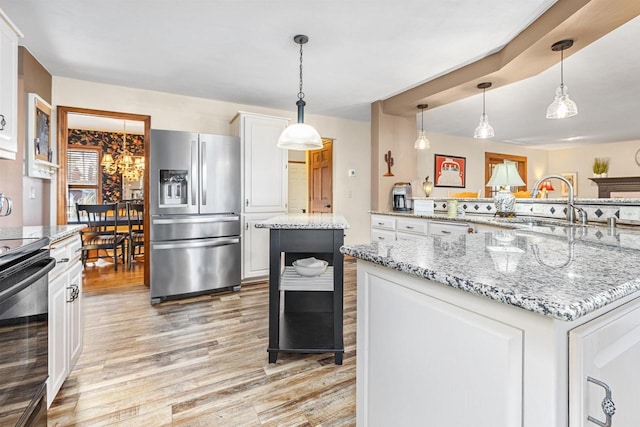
point(545, 187)
point(504, 176)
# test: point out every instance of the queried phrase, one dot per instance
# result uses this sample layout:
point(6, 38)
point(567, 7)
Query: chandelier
point(126, 164)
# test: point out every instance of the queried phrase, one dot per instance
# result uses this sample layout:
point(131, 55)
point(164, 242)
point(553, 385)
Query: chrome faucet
point(571, 215)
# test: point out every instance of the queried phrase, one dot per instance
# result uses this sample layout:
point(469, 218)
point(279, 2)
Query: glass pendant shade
point(300, 136)
point(562, 106)
point(484, 129)
point(422, 143)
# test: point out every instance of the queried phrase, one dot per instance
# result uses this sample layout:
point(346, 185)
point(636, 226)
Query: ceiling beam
point(528, 54)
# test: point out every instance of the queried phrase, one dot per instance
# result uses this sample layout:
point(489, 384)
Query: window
point(83, 178)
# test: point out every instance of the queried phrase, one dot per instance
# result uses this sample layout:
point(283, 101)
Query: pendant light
point(300, 136)
point(484, 129)
point(422, 143)
point(562, 106)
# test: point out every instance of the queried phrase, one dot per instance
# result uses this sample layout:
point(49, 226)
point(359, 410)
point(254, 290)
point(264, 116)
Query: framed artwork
point(572, 177)
point(449, 171)
point(40, 127)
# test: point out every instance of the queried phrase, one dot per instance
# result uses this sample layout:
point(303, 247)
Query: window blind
point(82, 167)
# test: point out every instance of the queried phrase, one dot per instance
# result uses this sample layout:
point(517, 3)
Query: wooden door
point(321, 178)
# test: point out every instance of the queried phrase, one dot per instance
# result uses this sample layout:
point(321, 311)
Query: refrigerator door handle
point(197, 243)
point(194, 220)
point(194, 172)
point(203, 171)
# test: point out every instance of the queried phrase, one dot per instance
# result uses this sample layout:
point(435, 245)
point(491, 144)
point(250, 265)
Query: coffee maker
point(402, 196)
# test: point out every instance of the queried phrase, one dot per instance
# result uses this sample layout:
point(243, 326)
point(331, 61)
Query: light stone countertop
point(559, 271)
point(53, 232)
point(300, 221)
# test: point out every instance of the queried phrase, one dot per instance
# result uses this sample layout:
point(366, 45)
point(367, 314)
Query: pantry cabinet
point(65, 312)
point(8, 87)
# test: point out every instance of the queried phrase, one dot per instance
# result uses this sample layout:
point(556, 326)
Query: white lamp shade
point(422, 143)
point(562, 106)
point(300, 136)
point(505, 174)
point(484, 129)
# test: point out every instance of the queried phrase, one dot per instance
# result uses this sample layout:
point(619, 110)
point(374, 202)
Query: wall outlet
point(351, 172)
point(630, 213)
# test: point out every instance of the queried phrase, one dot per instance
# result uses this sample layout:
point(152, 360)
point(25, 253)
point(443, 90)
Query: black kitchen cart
point(305, 313)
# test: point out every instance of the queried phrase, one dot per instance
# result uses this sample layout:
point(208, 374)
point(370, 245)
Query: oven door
point(24, 342)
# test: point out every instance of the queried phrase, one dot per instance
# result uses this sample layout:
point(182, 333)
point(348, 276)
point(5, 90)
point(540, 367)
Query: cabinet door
point(255, 247)
point(607, 350)
point(58, 336)
point(265, 165)
point(382, 235)
point(74, 315)
point(8, 90)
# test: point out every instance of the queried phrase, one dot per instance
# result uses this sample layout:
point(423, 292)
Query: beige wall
point(473, 150)
point(621, 157)
point(351, 147)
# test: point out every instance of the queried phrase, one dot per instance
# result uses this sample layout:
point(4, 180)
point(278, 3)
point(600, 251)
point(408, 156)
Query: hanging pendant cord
point(483, 110)
point(301, 93)
point(561, 68)
point(422, 120)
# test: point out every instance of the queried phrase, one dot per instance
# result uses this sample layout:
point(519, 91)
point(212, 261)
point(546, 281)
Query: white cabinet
point(604, 355)
point(8, 87)
point(65, 312)
point(383, 228)
point(255, 246)
point(264, 165)
point(449, 228)
point(264, 185)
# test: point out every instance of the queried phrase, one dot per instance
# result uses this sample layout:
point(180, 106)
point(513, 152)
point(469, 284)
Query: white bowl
point(310, 267)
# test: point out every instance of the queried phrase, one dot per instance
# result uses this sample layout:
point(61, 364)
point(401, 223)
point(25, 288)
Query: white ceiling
point(359, 52)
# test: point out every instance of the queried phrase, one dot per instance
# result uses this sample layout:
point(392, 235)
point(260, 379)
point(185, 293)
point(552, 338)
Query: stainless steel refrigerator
point(194, 199)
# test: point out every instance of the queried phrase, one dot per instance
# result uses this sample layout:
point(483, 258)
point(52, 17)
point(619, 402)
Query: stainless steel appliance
point(402, 196)
point(24, 344)
point(194, 199)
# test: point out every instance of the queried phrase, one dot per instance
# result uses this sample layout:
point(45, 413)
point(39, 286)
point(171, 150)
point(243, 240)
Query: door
point(321, 178)
point(255, 247)
point(603, 362)
point(220, 174)
point(173, 172)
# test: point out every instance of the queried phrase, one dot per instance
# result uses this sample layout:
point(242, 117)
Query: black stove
point(24, 288)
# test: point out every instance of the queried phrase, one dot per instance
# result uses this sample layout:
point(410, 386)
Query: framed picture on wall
point(572, 177)
point(449, 171)
point(40, 127)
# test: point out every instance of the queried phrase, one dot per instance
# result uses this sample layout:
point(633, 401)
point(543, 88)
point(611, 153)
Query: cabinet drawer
point(444, 228)
point(382, 236)
point(383, 222)
point(409, 236)
point(65, 252)
point(413, 226)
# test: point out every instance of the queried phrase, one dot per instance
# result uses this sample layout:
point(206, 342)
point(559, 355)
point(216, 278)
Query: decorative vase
point(597, 175)
point(427, 186)
point(603, 175)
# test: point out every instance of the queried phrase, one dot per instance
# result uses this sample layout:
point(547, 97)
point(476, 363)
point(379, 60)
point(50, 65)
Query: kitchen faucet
point(571, 215)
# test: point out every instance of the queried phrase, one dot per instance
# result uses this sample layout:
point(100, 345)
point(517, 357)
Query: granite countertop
point(577, 201)
point(300, 221)
point(563, 272)
point(53, 232)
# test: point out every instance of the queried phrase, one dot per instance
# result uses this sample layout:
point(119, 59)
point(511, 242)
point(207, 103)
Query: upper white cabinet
point(264, 165)
point(8, 87)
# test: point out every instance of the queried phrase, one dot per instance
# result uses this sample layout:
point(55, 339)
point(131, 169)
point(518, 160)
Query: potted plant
point(600, 167)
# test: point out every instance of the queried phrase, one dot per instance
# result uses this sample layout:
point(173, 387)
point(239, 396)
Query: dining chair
point(101, 232)
point(135, 217)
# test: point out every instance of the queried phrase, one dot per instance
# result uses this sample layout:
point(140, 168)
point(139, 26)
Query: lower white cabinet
point(255, 246)
point(449, 228)
point(603, 370)
point(65, 313)
point(429, 354)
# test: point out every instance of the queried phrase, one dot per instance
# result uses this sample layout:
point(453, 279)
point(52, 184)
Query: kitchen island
point(310, 319)
point(515, 327)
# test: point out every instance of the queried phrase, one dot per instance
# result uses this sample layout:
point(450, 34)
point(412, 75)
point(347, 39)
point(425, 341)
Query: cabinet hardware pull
point(246, 226)
point(445, 232)
point(408, 227)
point(63, 260)
point(3, 122)
point(381, 223)
point(246, 202)
point(380, 237)
point(608, 407)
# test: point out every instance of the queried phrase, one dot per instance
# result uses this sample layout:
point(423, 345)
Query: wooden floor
point(198, 362)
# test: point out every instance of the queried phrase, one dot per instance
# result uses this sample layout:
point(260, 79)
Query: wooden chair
point(135, 216)
point(101, 232)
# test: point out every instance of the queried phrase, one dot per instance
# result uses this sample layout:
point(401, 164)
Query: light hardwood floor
point(198, 362)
